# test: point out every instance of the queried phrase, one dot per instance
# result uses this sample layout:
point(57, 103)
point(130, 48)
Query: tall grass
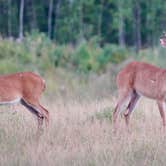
point(76, 136)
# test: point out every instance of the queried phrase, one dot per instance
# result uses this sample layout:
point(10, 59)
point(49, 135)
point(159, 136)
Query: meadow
point(80, 131)
point(80, 95)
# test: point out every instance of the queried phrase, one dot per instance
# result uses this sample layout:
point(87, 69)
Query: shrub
point(114, 53)
point(38, 52)
point(85, 56)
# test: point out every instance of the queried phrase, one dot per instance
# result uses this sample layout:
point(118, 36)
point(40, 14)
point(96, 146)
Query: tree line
point(137, 23)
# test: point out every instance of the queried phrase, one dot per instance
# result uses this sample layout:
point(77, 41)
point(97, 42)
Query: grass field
point(80, 96)
point(80, 134)
point(80, 131)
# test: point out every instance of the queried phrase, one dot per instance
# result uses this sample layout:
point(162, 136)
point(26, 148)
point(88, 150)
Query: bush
point(89, 56)
point(85, 56)
point(38, 52)
point(32, 53)
point(114, 53)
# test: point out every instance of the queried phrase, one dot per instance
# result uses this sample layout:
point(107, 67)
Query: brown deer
point(139, 79)
point(24, 88)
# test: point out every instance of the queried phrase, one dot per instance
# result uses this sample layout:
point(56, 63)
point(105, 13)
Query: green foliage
point(74, 20)
point(155, 56)
point(29, 54)
point(113, 53)
point(87, 56)
point(61, 55)
point(38, 52)
point(105, 114)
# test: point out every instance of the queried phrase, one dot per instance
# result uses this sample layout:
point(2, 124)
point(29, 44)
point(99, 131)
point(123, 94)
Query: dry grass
point(76, 137)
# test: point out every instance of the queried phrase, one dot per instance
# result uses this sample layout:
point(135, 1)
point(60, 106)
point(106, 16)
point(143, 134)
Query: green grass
point(106, 113)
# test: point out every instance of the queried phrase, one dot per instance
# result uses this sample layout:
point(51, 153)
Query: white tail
point(26, 88)
point(140, 79)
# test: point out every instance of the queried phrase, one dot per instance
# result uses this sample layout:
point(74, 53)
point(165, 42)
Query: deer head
point(163, 40)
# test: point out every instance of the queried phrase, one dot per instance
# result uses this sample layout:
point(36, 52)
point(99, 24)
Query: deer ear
point(163, 40)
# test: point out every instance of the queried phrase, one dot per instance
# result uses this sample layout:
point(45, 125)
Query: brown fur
point(27, 87)
point(140, 79)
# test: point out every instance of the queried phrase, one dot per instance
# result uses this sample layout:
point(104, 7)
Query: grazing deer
point(140, 79)
point(24, 88)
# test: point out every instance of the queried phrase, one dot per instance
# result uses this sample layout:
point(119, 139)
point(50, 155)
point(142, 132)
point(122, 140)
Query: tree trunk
point(57, 13)
point(121, 32)
point(137, 26)
point(9, 19)
point(100, 19)
point(81, 35)
point(32, 15)
point(50, 18)
point(21, 16)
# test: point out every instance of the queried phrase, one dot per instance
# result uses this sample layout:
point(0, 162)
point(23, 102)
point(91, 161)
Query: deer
point(135, 80)
point(25, 88)
point(140, 79)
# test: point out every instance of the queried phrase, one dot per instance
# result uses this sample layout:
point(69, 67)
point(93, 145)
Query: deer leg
point(121, 105)
point(45, 113)
point(40, 124)
point(161, 110)
point(130, 108)
point(33, 109)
